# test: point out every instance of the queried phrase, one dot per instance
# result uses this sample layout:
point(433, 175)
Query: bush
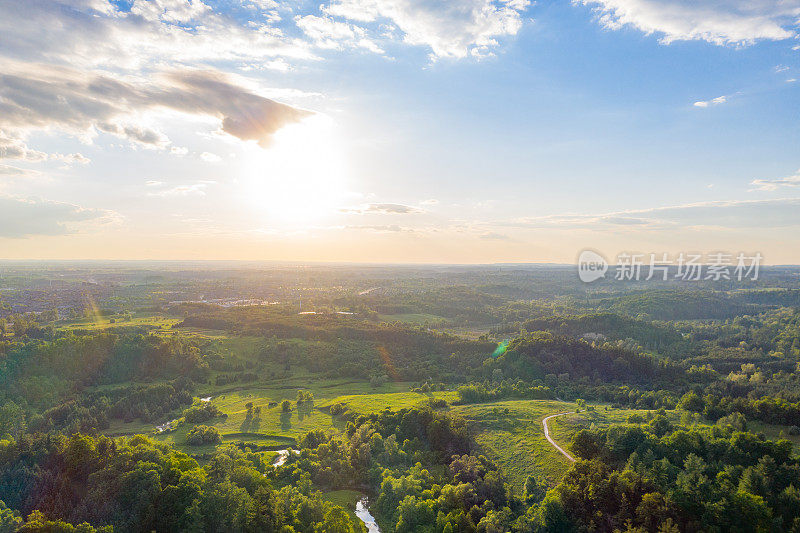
point(201, 413)
point(200, 435)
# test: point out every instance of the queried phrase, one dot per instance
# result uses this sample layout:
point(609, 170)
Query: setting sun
point(300, 176)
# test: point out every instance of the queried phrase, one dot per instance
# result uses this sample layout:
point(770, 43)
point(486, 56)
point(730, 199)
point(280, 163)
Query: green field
point(375, 403)
point(138, 319)
point(510, 434)
point(421, 319)
point(344, 498)
point(274, 428)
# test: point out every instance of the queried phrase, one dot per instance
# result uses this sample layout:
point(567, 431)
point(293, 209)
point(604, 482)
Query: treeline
point(533, 356)
point(677, 304)
point(419, 467)
point(137, 485)
point(638, 478)
point(51, 385)
point(97, 359)
point(769, 409)
point(660, 337)
point(350, 347)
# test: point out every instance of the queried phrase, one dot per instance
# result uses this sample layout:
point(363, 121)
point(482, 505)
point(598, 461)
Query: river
point(279, 459)
point(362, 512)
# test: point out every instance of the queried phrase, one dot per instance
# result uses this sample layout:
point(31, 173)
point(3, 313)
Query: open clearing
point(510, 434)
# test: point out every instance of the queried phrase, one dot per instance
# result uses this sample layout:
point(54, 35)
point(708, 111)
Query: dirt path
point(550, 440)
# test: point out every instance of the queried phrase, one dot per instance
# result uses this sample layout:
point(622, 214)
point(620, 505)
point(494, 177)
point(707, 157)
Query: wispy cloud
point(774, 184)
point(381, 228)
point(722, 22)
point(208, 157)
point(8, 170)
point(20, 217)
point(325, 32)
point(493, 236)
point(721, 214)
point(449, 29)
point(192, 189)
point(714, 101)
point(386, 209)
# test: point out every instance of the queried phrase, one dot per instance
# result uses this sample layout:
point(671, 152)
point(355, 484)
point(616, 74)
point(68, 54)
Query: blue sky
point(398, 130)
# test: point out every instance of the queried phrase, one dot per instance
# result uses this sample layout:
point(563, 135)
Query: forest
point(409, 400)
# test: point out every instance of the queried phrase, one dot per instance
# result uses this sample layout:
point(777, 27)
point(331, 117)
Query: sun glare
point(300, 177)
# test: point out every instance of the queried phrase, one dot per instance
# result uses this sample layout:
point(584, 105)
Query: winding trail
point(550, 439)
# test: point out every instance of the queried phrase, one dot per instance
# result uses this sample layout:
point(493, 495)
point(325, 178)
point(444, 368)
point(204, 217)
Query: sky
point(470, 131)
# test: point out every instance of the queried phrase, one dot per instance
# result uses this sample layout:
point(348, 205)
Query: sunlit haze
point(478, 131)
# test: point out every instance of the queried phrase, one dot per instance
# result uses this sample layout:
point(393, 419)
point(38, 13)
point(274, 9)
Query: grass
point(272, 427)
point(563, 428)
point(344, 498)
point(138, 319)
point(375, 403)
point(420, 319)
point(510, 434)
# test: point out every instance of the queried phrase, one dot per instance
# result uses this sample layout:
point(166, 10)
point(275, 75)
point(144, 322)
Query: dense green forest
point(413, 399)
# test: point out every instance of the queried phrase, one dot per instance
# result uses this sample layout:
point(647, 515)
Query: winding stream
point(362, 512)
point(279, 459)
point(364, 515)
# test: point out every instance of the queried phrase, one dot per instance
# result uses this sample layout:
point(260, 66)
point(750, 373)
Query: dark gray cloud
point(35, 96)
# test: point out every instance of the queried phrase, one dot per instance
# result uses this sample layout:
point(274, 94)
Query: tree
point(535, 489)
point(9, 520)
point(337, 521)
point(692, 402)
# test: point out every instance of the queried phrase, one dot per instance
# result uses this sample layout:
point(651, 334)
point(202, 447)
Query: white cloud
point(71, 159)
point(192, 189)
point(208, 157)
point(449, 29)
point(382, 228)
point(714, 101)
point(493, 236)
point(774, 184)
point(154, 32)
point(328, 33)
point(722, 22)
point(146, 137)
point(386, 209)
point(8, 170)
point(722, 214)
point(11, 148)
point(21, 217)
